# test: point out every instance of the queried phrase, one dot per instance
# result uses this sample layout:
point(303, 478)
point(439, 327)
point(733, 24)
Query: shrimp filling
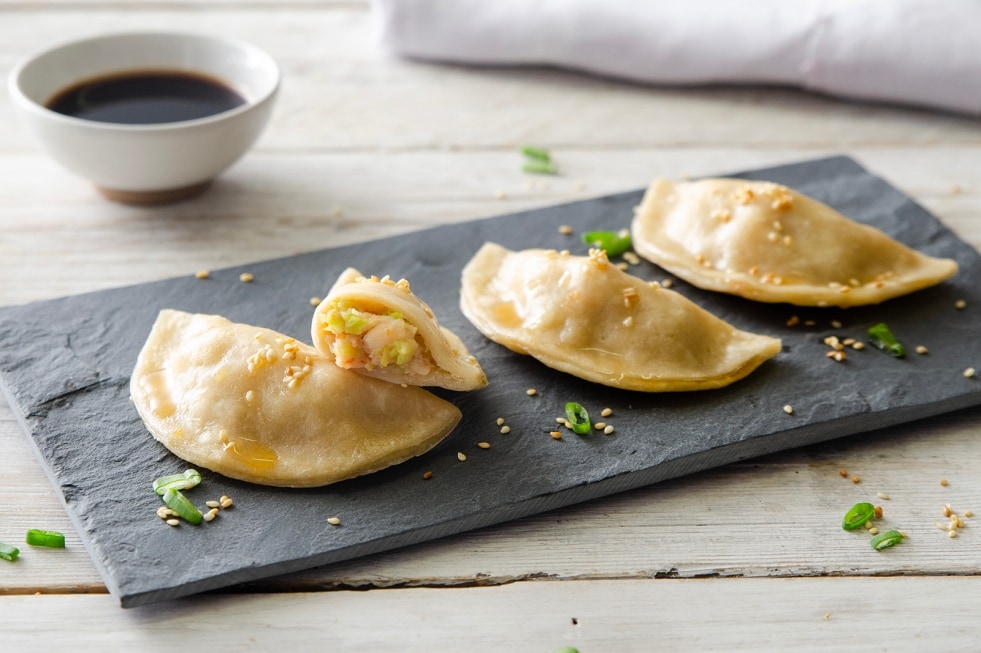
point(360, 338)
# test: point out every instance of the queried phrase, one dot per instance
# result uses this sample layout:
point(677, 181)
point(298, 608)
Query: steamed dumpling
point(379, 328)
point(584, 316)
point(258, 406)
point(766, 242)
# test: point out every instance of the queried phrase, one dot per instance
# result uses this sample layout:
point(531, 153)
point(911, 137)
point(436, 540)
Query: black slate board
point(65, 369)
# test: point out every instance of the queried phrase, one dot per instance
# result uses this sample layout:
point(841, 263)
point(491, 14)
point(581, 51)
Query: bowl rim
point(29, 104)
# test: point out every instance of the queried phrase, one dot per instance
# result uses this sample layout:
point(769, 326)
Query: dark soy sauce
point(146, 97)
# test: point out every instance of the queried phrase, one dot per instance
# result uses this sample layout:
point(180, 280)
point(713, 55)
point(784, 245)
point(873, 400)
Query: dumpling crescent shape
point(768, 243)
point(380, 328)
point(584, 316)
point(258, 406)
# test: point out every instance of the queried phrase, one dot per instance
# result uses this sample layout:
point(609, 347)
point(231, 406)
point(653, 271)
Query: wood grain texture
point(362, 145)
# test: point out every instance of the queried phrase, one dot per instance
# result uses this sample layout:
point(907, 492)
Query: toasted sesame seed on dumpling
point(769, 243)
point(258, 406)
point(586, 317)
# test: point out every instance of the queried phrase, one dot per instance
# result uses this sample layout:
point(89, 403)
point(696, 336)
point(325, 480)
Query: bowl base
point(151, 197)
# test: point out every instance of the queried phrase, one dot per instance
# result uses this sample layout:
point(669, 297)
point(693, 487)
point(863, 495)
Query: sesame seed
point(225, 502)
point(484, 445)
point(843, 472)
point(212, 504)
point(868, 525)
point(883, 496)
point(531, 392)
point(461, 456)
point(920, 349)
point(163, 512)
point(623, 266)
point(334, 521)
point(505, 429)
point(209, 516)
point(960, 304)
point(858, 346)
point(952, 534)
point(565, 230)
point(946, 510)
point(202, 274)
point(173, 522)
point(246, 277)
point(873, 531)
point(631, 258)
point(606, 412)
point(969, 513)
point(794, 320)
point(428, 474)
point(599, 426)
point(788, 409)
point(877, 511)
point(835, 324)
point(856, 480)
point(500, 421)
point(315, 301)
point(943, 482)
point(667, 283)
point(848, 342)
point(500, 194)
point(608, 429)
point(968, 373)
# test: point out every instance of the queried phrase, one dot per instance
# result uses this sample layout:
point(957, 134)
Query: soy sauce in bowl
point(146, 97)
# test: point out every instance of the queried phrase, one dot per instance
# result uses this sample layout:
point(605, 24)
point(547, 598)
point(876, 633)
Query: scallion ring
point(858, 516)
point(614, 242)
point(180, 504)
point(882, 337)
point(536, 153)
point(38, 537)
point(578, 418)
point(185, 481)
point(886, 540)
point(539, 168)
point(8, 552)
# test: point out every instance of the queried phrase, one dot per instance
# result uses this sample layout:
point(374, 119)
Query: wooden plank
point(340, 89)
point(847, 614)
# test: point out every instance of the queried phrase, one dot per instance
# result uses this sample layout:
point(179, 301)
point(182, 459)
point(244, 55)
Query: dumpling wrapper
point(586, 317)
point(258, 406)
point(380, 328)
point(768, 243)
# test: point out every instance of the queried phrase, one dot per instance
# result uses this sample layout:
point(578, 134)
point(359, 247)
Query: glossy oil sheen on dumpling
point(586, 317)
point(380, 328)
point(258, 406)
point(768, 243)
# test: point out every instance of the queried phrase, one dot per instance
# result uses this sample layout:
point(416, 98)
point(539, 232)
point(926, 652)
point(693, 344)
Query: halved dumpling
point(258, 406)
point(768, 243)
point(379, 328)
point(584, 316)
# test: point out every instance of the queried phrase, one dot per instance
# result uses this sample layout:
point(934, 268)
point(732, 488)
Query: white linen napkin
point(921, 52)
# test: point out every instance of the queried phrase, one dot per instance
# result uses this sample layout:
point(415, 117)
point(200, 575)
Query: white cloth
point(921, 52)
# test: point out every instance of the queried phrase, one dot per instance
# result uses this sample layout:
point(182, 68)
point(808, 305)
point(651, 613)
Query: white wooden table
point(747, 557)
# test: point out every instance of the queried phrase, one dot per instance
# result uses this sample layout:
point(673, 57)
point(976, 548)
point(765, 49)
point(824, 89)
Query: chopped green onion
point(614, 242)
point(536, 153)
point(537, 161)
point(539, 168)
point(858, 516)
point(578, 418)
point(8, 552)
point(53, 539)
point(180, 504)
point(184, 481)
point(886, 540)
point(882, 337)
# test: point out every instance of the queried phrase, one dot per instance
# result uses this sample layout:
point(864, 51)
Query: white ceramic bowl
point(151, 162)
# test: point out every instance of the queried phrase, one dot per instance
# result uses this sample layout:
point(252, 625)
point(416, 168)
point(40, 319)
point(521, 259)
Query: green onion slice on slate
point(8, 552)
point(578, 418)
point(180, 504)
point(886, 540)
point(184, 481)
point(614, 242)
point(858, 516)
point(38, 537)
point(882, 337)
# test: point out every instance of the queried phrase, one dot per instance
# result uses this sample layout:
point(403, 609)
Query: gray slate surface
point(65, 364)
